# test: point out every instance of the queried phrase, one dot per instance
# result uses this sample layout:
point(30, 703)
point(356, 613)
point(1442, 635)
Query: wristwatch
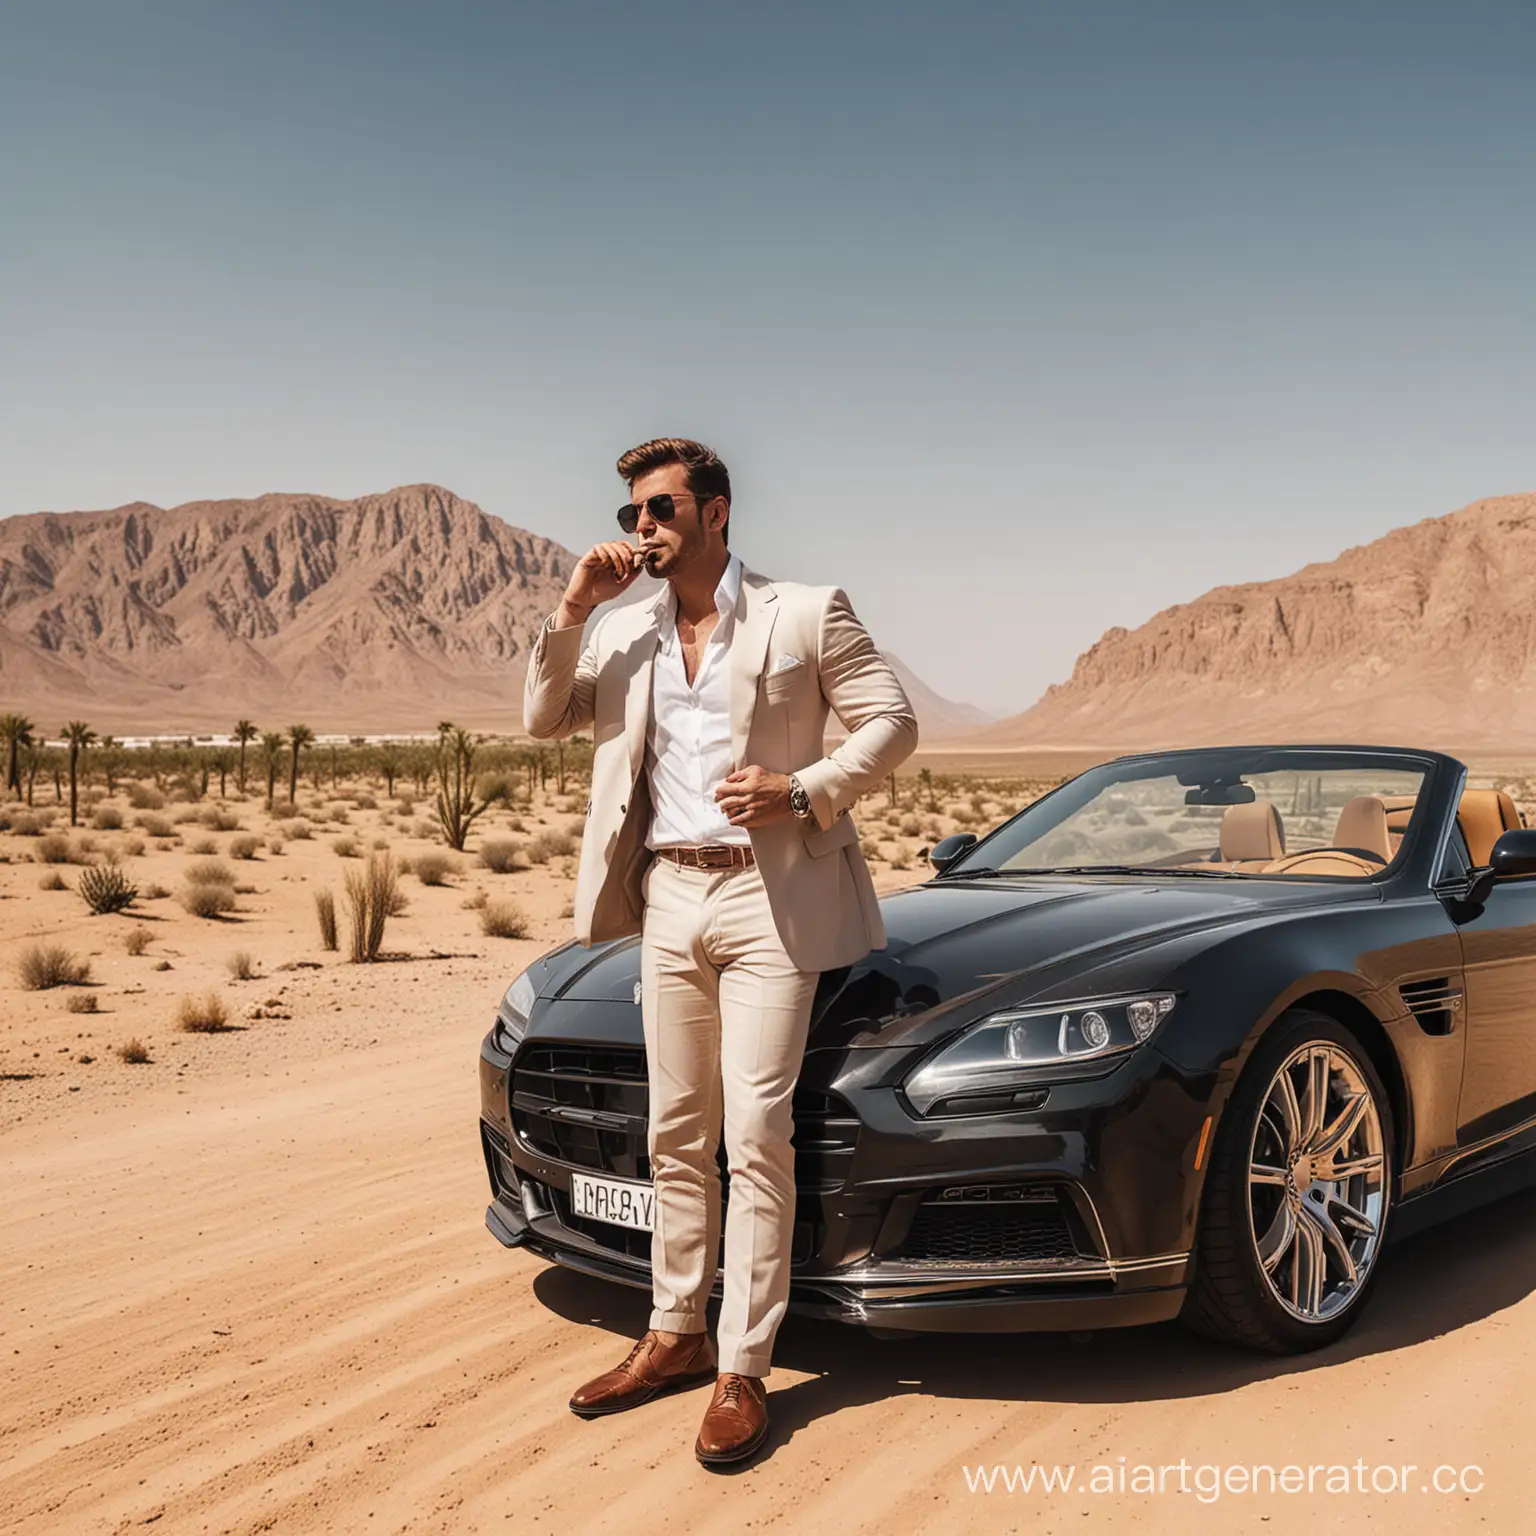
point(799, 800)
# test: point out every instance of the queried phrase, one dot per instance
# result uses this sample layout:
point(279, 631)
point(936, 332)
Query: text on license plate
point(615, 1200)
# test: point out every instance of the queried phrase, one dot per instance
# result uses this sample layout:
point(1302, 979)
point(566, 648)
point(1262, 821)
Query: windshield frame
point(1418, 853)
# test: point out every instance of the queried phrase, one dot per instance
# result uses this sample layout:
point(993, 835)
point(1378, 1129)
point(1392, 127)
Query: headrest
point(1483, 815)
point(1252, 831)
point(1363, 824)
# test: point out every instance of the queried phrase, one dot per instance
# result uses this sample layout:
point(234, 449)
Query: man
point(717, 829)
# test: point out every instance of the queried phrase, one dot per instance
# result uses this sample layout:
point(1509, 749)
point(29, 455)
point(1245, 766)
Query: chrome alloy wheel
point(1317, 1182)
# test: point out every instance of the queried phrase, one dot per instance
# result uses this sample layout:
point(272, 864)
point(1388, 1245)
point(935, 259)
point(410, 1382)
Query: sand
point(248, 1288)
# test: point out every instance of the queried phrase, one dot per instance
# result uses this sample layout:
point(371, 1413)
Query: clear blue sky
point(1016, 320)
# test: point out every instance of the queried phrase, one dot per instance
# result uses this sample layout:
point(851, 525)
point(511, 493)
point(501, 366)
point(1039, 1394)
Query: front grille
point(586, 1106)
point(1434, 1001)
point(987, 1225)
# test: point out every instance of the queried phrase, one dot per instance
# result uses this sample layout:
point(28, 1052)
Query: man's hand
point(753, 797)
point(603, 572)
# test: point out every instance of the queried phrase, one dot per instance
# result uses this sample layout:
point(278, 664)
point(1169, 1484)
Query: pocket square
point(784, 662)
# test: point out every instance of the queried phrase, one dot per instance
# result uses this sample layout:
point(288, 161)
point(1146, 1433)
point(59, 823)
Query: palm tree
point(272, 755)
point(299, 737)
point(244, 732)
point(78, 735)
point(16, 733)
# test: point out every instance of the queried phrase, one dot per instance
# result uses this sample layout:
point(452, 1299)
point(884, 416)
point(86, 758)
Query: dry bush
point(41, 966)
point(204, 846)
point(207, 899)
point(186, 813)
point(204, 1015)
point(107, 819)
point(131, 847)
point(365, 802)
point(347, 848)
point(434, 868)
point(105, 888)
point(81, 1002)
point(503, 920)
point(298, 831)
point(424, 829)
point(405, 807)
point(242, 965)
point(380, 845)
point(53, 848)
point(476, 902)
point(155, 893)
point(136, 940)
point(550, 845)
point(210, 872)
point(372, 895)
point(26, 823)
point(501, 856)
point(53, 881)
point(217, 819)
point(145, 797)
point(244, 847)
point(133, 1051)
point(901, 857)
point(910, 826)
point(154, 825)
point(325, 913)
point(275, 845)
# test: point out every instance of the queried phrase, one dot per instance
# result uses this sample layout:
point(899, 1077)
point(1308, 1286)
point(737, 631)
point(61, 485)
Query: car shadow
point(1431, 1284)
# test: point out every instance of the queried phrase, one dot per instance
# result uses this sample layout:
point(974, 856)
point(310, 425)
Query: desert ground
point(248, 1286)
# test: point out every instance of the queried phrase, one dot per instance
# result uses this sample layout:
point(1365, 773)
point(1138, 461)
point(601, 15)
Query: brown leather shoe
point(736, 1422)
point(652, 1367)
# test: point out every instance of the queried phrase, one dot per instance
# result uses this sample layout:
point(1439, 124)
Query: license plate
point(614, 1200)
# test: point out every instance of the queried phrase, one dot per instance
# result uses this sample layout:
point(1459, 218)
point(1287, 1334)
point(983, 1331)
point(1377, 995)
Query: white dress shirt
point(688, 740)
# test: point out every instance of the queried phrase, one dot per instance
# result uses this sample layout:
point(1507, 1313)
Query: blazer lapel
point(756, 609)
point(637, 697)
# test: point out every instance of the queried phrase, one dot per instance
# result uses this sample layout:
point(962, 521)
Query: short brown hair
point(707, 476)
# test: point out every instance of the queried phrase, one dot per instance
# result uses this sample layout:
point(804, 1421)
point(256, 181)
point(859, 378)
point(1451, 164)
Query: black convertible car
point(1188, 1037)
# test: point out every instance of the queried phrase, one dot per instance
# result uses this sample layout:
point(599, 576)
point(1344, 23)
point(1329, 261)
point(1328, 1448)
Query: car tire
point(1285, 1260)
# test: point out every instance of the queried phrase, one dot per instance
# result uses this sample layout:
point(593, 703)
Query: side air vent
point(1434, 1001)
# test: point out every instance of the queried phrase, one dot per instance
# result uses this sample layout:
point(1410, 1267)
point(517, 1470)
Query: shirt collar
point(727, 594)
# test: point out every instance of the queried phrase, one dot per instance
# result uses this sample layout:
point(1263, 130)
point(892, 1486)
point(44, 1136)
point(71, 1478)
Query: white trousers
point(725, 1017)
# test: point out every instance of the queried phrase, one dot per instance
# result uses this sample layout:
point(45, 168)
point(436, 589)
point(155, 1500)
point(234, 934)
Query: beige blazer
point(817, 882)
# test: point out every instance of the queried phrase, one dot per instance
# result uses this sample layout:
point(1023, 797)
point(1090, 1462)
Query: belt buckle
point(713, 857)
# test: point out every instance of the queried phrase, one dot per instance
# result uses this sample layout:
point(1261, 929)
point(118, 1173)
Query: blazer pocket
point(840, 834)
point(783, 685)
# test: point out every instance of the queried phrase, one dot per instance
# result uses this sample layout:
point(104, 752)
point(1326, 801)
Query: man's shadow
point(1430, 1284)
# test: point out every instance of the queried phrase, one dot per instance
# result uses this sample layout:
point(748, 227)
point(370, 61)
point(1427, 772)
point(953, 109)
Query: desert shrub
point(105, 888)
point(503, 920)
point(405, 808)
point(217, 819)
point(41, 966)
point(498, 787)
point(210, 872)
point(107, 819)
point(133, 1051)
point(81, 1002)
point(206, 899)
point(131, 847)
point(242, 965)
point(901, 857)
point(365, 802)
point(136, 940)
point(298, 831)
point(244, 847)
point(145, 797)
point(202, 1015)
point(910, 826)
point(325, 913)
point(380, 845)
point(275, 844)
point(53, 848)
point(53, 881)
point(187, 812)
point(26, 823)
point(501, 855)
point(550, 845)
point(155, 893)
point(155, 826)
point(371, 894)
point(425, 829)
point(347, 847)
point(434, 868)
point(204, 846)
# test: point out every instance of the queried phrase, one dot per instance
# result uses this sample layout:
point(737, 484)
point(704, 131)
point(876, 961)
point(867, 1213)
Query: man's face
point(686, 538)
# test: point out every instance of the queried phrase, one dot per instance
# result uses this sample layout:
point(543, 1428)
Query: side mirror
point(948, 849)
point(1514, 853)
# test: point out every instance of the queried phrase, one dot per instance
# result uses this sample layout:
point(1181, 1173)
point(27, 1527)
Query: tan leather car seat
point(1399, 813)
point(1483, 815)
point(1362, 824)
point(1252, 835)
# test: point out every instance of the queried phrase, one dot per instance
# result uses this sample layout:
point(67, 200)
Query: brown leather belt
point(709, 856)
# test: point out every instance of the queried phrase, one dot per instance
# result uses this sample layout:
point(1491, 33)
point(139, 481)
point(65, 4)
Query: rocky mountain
point(1424, 637)
point(390, 612)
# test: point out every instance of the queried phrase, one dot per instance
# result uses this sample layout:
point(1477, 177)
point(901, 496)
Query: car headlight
point(512, 1015)
point(996, 1063)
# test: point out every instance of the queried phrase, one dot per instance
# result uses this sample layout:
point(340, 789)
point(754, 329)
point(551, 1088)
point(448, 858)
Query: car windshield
point(1268, 812)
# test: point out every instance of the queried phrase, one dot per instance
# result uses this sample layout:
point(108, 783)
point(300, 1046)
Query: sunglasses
point(663, 509)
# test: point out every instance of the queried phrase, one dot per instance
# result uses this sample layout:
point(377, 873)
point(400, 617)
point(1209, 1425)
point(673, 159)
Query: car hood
point(951, 944)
